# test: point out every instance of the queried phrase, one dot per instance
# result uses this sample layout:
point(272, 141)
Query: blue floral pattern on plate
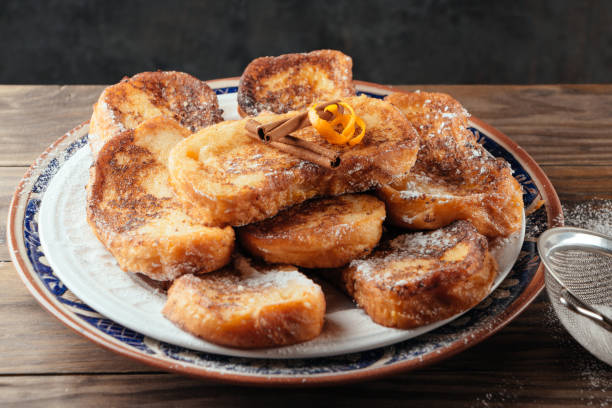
point(483, 315)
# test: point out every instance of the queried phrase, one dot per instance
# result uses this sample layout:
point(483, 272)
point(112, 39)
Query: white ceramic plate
point(90, 271)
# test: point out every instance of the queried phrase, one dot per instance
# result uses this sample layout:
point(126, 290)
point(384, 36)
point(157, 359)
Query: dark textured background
point(437, 41)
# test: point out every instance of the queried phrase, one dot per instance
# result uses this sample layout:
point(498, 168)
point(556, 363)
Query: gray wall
point(436, 41)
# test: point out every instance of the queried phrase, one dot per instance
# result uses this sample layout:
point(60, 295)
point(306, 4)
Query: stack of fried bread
point(173, 185)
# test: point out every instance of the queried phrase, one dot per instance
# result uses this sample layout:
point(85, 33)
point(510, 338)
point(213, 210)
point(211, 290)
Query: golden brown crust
point(418, 279)
point(248, 306)
point(293, 81)
point(135, 214)
point(177, 95)
point(321, 233)
point(454, 177)
point(240, 180)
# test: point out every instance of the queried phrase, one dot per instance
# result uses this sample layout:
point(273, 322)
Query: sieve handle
point(576, 305)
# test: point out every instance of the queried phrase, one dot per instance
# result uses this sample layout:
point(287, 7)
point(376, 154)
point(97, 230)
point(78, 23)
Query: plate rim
point(530, 292)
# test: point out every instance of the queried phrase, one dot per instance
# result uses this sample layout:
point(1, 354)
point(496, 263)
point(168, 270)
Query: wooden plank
point(33, 341)
point(32, 117)
point(581, 182)
point(9, 177)
point(427, 388)
point(556, 124)
point(532, 362)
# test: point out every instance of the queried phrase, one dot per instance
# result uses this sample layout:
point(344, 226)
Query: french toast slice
point(454, 177)
point(321, 233)
point(134, 212)
point(293, 81)
point(420, 278)
point(126, 105)
point(248, 305)
point(240, 180)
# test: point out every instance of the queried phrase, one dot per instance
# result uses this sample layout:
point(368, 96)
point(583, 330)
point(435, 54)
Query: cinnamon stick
point(280, 128)
point(253, 126)
point(295, 141)
point(277, 134)
point(306, 154)
point(263, 130)
point(290, 125)
point(302, 149)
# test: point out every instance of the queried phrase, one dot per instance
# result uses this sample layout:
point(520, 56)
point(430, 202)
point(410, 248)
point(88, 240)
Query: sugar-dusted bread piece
point(420, 278)
point(293, 81)
point(248, 305)
point(126, 105)
point(240, 180)
point(320, 233)
point(134, 212)
point(454, 177)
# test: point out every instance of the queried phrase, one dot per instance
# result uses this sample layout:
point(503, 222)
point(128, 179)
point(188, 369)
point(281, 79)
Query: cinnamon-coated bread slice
point(454, 177)
point(420, 278)
point(241, 180)
point(293, 81)
point(320, 233)
point(126, 105)
point(248, 305)
point(134, 212)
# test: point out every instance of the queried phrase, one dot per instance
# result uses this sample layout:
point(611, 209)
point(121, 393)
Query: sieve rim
point(560, 238)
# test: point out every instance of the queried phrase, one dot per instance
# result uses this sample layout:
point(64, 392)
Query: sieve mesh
point(586, 274)
point(581, 262)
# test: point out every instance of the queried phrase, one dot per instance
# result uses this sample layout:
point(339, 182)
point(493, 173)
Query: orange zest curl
point(342, 127)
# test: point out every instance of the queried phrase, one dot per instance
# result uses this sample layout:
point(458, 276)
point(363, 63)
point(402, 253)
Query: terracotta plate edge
point(535, 286)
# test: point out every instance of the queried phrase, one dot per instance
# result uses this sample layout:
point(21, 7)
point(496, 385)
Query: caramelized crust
point(420, 278)
point(322, 233)
point(240, 180)
point(127, 104)
point(454, 177)
point(293, 81)
point(248, 305)
point(133, 211)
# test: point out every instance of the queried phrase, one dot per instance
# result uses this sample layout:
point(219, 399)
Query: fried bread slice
point(126, 105)
point(321, 233)
point(240, 180)
point(420, 278)
point(248, 305)
point(134, 212)
point(454, 177)
point(293, 81)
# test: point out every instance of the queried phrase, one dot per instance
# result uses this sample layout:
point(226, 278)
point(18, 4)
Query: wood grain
point(556, 124)
point(9, 177)
point(32, 341)
point(581, 182)
point(427, 388)
point(32, 117)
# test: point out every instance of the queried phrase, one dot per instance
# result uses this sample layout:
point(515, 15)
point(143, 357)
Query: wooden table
point(531, 362)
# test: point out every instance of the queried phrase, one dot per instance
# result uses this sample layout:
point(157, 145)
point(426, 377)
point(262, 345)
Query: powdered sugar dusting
point(379, 266)
point(269, 276)
point(594, 215)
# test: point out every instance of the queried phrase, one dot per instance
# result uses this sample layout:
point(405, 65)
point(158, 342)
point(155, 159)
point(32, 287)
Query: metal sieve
point(579, 283)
